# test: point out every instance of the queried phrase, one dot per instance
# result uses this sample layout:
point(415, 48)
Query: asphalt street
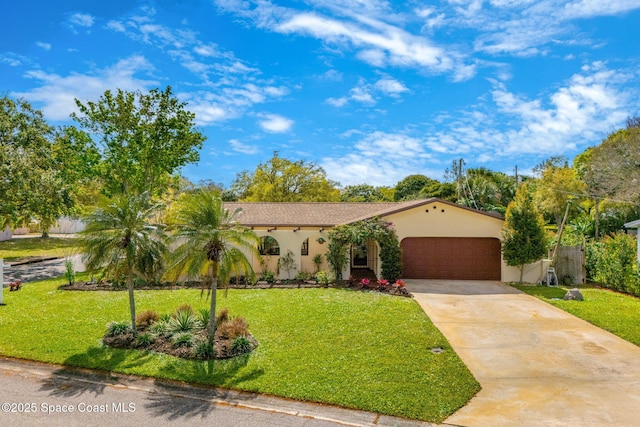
point(34, 393)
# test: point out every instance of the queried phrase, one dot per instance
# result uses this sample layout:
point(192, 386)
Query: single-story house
point(439, 239)
point(635, 224)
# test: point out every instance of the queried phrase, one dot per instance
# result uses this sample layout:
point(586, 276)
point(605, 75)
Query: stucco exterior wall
point(439, 219)
point(436, 219)
point(292, 240)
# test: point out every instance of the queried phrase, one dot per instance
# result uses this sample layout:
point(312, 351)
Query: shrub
point(203, 317)
point(183, 321)
point(240, 345)
point(222, 317)
point(70, 272)
point(118, 328)
point(146, 318)
point(238, 327)
point(268, 277)
point(184, 307)
point(203, 350)
point(145, 339)
point(161, 327)
point(613, 263)
point(165, 317)
point(182, 339)
point(303, 276)
point(324, 278)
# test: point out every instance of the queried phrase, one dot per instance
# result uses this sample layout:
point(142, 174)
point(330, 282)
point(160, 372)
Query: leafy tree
point(523, 233)
point(78, 160)
point(613, 167)
point(557, 186)
point(121, 236)
point(32, 184)
point(363, 193)
point(144, 139)
point(487, 190)
point(409, 188)
point(283, 180)
point(611, 170)
point(441, 190)
point(209, 242)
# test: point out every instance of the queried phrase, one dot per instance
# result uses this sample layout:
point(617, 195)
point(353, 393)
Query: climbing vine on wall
point(356, 233)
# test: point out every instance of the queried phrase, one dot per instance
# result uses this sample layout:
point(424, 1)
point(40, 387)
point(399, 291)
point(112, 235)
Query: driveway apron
point(537, 365)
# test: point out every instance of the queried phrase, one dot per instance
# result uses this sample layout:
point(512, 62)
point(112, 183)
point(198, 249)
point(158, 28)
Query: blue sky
point(370, 90)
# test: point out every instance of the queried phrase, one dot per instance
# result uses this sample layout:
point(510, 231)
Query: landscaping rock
point(573, 295)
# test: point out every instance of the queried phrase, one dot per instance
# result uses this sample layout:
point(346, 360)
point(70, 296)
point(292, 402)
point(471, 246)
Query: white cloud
point(275, 123)
point(364, 93)
point(13, 60)
point(57, 93)
point(45, 46)
point(81, 20)
point(588, 106)
point(379, 158)
point(390, 86)
point(590, 8)
point(338, 102)
point(243, 148)
point(374, 33)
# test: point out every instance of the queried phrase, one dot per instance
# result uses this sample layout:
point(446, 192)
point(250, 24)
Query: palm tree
point(209, 242)
point(121, 237)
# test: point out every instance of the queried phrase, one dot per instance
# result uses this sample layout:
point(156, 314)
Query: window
point(304, 250)
point(269, 246)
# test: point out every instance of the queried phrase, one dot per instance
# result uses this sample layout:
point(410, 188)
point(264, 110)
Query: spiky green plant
point(117, 328)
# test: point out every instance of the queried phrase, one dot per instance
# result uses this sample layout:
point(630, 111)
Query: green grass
point(611, 311)
point(17, 248)
point(354, 349)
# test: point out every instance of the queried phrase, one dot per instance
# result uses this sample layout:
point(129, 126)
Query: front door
point(359, 255)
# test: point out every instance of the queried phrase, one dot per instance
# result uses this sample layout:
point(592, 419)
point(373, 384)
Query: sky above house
point(370, 90)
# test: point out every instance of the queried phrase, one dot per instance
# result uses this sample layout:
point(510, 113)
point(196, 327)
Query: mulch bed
point(106, 286)
point(222, 346)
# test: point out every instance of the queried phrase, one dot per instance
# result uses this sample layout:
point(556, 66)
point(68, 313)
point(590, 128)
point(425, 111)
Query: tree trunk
point(132, 302)
point(521, 272)
point(212, 309)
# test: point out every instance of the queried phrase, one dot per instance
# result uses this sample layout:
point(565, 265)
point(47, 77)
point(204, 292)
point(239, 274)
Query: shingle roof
point(319, 214)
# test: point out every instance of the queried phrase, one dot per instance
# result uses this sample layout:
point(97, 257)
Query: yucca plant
point(183, 321)
point(203, 317)
point(240, 345)
point(203, 350)
point(145, 339)
point(117, 328)
point(182, 339)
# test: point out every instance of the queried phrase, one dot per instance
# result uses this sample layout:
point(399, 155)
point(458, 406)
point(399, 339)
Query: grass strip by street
point(354, 349)
point(18, 248)
point(611, 311)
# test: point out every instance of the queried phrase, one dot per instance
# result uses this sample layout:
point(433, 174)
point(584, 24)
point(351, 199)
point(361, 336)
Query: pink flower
point(365, 281)
point(399, 283)
point(383, 282)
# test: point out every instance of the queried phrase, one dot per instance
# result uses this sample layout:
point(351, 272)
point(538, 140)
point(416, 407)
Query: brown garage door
point(458, 258)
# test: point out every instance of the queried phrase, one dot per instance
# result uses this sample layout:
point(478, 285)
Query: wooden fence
point(570, 265)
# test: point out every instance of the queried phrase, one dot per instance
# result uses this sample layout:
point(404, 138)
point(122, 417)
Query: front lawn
point(355, 349)
point(612, 311)
point(17, 248)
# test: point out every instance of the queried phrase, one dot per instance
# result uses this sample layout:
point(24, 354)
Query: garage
point(454, 258)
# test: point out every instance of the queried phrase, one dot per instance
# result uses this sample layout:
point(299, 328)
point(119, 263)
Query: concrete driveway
point(538, 365)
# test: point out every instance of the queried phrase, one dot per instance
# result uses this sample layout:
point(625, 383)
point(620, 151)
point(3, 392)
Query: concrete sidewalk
point(538, 365)
point(106, 399)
